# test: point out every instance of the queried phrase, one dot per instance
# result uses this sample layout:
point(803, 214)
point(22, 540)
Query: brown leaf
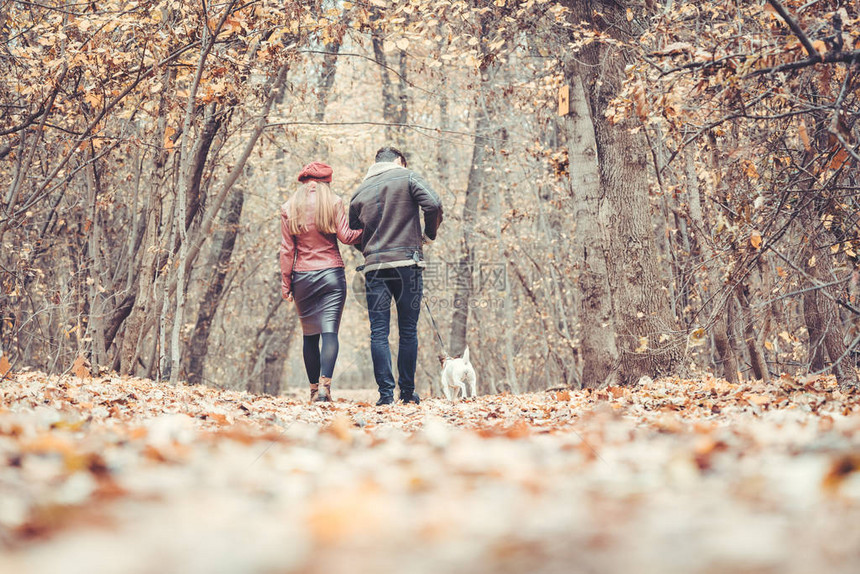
point(820, 46)
point(81, 367)
point(757, 400)
point(340, 427)
point(519, 429)
point(48, 444)
point(755, 239)
point(220, 418)
point(839, 159)
point(804, 135)
point(669, 424)
point(5, 367)
point(841, 468)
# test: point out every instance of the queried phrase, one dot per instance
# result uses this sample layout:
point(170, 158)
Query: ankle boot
point(324, 390)
point(315, 389)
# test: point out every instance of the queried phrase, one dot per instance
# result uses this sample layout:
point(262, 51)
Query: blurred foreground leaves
point(126, 475)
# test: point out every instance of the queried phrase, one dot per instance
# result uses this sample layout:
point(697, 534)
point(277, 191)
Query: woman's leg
point(328, 357)
point(311, 355)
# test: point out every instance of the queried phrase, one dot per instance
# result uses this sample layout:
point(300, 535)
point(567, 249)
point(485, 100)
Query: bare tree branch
point(795, 27)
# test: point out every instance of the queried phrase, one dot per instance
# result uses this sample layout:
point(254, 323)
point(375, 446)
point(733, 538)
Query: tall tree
point(646, 331)
point(222, 253)
point(596, 321)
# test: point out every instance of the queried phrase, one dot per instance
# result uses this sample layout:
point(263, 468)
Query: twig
point(837, 109)
point(829, 58)
point(800, 292)
point(374, 60)
point(812, 280)
point(795, 27)
point(386, 124)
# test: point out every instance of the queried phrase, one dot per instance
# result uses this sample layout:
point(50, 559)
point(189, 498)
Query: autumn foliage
point(695, 212)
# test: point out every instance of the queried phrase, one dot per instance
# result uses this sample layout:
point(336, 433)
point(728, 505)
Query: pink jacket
point(312, 250)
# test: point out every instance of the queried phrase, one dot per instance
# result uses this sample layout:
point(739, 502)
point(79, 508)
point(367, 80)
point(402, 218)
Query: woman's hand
point(289, 297)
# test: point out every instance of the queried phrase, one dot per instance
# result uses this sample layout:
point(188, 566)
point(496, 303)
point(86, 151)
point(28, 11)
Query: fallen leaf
point(340, 427)
point(81, 367)
point(840, 469)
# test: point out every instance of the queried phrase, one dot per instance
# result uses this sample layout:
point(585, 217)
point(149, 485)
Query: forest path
point(126, 475)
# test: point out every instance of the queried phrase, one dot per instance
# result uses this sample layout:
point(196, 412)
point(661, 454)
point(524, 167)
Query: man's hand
point(289, 297)
point(425, 240)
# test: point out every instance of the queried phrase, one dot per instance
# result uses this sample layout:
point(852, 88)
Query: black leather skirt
point(319, 296)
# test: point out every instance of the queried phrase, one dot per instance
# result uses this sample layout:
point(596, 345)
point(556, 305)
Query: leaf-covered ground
point(126, 475)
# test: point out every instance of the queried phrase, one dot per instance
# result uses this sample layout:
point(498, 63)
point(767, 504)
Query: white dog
point(458, 372)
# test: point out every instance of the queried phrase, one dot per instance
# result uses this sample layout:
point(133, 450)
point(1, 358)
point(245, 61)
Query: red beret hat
point(316, 170)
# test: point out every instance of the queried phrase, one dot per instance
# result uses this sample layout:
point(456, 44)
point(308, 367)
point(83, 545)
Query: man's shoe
point(413, 398)
point(385, 401)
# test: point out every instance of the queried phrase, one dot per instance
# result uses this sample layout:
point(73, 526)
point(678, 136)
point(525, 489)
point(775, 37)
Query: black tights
point(320, 363)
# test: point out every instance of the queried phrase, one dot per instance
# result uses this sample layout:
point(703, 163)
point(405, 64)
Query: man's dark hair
point(389, 153)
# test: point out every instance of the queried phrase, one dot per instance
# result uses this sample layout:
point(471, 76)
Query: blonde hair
point(328, 208)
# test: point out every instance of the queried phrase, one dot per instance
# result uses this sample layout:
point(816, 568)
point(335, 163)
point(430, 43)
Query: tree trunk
point(202, 145)
point(465, 267)
point(596, 324)
point(813, 317)
point(509, 321)
point(754, 348)
point(95, 325)
point(270, 350)
point(389, 101)
point(640, 298)
point(718, 294)
point(222, 253)
point(823, 323)
point(142, 307)
point(443, 147)
point(324, 85)
point(646, 330)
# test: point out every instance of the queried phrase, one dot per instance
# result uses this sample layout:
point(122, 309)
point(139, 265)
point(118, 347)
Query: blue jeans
point(405, 285)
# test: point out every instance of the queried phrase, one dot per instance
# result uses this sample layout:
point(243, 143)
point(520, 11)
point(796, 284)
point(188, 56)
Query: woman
point(312, 270)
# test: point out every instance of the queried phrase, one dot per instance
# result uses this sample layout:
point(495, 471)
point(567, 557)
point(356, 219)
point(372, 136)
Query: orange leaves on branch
point(169, 142)
point(820, 46)
point(840, 158)
point(804, 135)
point(750, 169)
point(755, 239)
point(674, 49)
point(640, 102)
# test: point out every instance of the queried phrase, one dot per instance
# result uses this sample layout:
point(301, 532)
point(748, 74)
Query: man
point(387, 206)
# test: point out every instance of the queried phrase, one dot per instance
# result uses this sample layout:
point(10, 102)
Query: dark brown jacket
point(387, 207)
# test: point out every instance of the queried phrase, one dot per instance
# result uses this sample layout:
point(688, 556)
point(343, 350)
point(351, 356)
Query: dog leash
point(435, 327)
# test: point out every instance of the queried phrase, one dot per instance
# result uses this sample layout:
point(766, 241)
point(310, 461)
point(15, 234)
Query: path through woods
point(125, 475)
